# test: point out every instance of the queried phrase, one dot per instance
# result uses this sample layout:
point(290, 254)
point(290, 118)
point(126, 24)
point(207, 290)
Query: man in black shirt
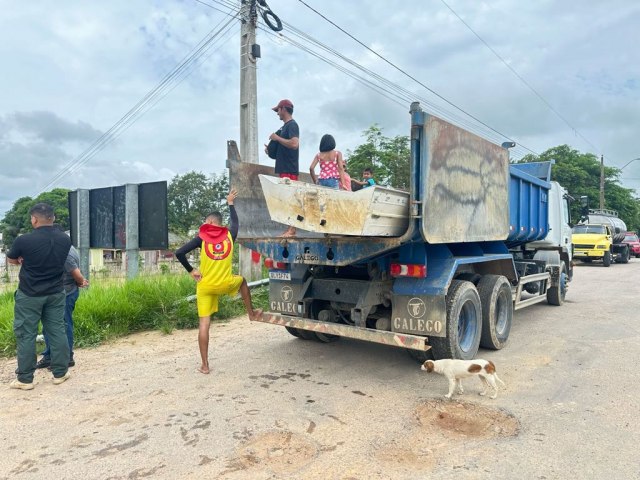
point(288, 148)
point(40, 296)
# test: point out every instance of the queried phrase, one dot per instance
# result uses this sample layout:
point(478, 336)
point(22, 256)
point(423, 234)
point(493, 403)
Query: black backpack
point(272, 146)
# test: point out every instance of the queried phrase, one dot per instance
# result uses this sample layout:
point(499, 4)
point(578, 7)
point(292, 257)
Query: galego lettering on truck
point(414, 320)
point(286, 305)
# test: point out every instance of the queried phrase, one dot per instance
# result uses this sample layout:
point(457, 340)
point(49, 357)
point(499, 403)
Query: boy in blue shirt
point(367, 179)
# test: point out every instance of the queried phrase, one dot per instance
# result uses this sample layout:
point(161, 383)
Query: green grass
point(147, 303)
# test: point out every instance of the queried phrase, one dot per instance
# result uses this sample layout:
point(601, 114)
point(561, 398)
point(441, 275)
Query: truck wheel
point(469, 277)
point(293, 331)
point(464, 323)
point(326, 337)
point(624, 257)
point(306, 334)
point(606, 259)
point(314, 312)
point(555, 295)
point(497, 311)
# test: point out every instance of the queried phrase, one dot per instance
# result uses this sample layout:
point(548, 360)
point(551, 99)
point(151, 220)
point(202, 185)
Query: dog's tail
point(495, 375)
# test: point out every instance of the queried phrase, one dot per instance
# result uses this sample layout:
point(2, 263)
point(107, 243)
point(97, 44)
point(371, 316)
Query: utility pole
point(249, 54)
point(601, 182)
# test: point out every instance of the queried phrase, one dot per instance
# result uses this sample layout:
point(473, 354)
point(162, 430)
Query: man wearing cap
point(214, 277)
point(287, 151)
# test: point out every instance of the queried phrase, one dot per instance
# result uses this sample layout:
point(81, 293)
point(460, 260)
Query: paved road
point(279, 407)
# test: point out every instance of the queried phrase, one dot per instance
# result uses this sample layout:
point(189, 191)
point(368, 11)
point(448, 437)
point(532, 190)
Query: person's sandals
point(20, 385)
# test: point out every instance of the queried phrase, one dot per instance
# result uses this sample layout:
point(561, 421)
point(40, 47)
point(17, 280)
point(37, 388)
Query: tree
point(192, 196)
point(579, 173)
point(388, 157)
point(17, 220)
point(58, 198)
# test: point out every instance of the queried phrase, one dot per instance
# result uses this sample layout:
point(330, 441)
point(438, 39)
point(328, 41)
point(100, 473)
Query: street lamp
point(630, 161)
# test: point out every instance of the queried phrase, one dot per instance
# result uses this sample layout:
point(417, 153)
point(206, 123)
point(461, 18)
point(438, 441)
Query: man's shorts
point(207, 295)
point(292, 176)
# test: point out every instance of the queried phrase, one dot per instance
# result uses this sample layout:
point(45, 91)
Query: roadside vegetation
point(104, 313)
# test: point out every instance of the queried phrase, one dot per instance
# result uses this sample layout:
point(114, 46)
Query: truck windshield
point(589, 229)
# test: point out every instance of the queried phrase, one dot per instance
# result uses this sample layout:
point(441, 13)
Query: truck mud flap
point(402, 340)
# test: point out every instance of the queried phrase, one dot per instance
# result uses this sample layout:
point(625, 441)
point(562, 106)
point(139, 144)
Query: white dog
point(456, 370)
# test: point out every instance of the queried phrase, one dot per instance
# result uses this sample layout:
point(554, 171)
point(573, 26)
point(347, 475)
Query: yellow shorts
point(207, 295)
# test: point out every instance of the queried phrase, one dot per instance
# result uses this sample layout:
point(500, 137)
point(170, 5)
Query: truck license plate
point(280, 275)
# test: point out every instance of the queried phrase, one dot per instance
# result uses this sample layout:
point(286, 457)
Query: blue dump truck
point(438, 270)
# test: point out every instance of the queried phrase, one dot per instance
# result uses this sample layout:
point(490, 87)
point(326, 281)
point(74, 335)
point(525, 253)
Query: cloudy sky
point(541, 73)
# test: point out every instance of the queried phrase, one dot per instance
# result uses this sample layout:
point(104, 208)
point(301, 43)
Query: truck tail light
point(272, 264)
point(408, 270)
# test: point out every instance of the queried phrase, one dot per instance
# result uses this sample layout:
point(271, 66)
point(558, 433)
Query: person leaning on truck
point(40, 296)
point(214, 277)
point(284, 147)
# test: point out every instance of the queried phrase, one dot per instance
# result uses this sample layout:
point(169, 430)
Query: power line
point(168, 83)
point(404, 72)
point(387, 86)
point(520, 77)
point(388, 89)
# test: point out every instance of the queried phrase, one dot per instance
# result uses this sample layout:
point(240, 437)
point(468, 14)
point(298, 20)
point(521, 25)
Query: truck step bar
point(402, 340)
point(518, 303)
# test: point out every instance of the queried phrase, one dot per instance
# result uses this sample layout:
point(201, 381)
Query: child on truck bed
point(367, 180)
point(332, 172)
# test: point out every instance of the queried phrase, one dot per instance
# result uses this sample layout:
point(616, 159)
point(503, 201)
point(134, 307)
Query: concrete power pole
point(249, 53)
point(601, 182)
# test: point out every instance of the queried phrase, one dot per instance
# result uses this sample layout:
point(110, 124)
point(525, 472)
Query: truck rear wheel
point(497, 311)
point(464, 323)
point(606, 259)
point(293, 331)
point(556, 294)
point(306, 334)
point(315, 312)
point(624, 256)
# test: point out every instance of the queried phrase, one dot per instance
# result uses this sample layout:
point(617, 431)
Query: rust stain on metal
point(374, 211)
point(412, 342)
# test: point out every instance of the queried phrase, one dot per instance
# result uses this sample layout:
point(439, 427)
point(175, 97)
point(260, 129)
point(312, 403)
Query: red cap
point(283, 103)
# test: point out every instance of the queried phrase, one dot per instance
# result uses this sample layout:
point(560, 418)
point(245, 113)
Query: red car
point(634, 243)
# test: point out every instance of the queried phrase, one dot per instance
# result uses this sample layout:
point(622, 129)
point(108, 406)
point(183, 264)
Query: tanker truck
point(600, 236)
point(438, 270)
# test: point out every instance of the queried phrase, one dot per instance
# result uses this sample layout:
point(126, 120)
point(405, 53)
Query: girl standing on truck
point(332, 172)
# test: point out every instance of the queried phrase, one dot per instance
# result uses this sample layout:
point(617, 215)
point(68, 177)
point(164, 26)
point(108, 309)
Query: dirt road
point(280, 407)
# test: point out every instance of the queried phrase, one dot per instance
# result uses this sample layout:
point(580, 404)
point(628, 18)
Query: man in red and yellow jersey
point(214, 277)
